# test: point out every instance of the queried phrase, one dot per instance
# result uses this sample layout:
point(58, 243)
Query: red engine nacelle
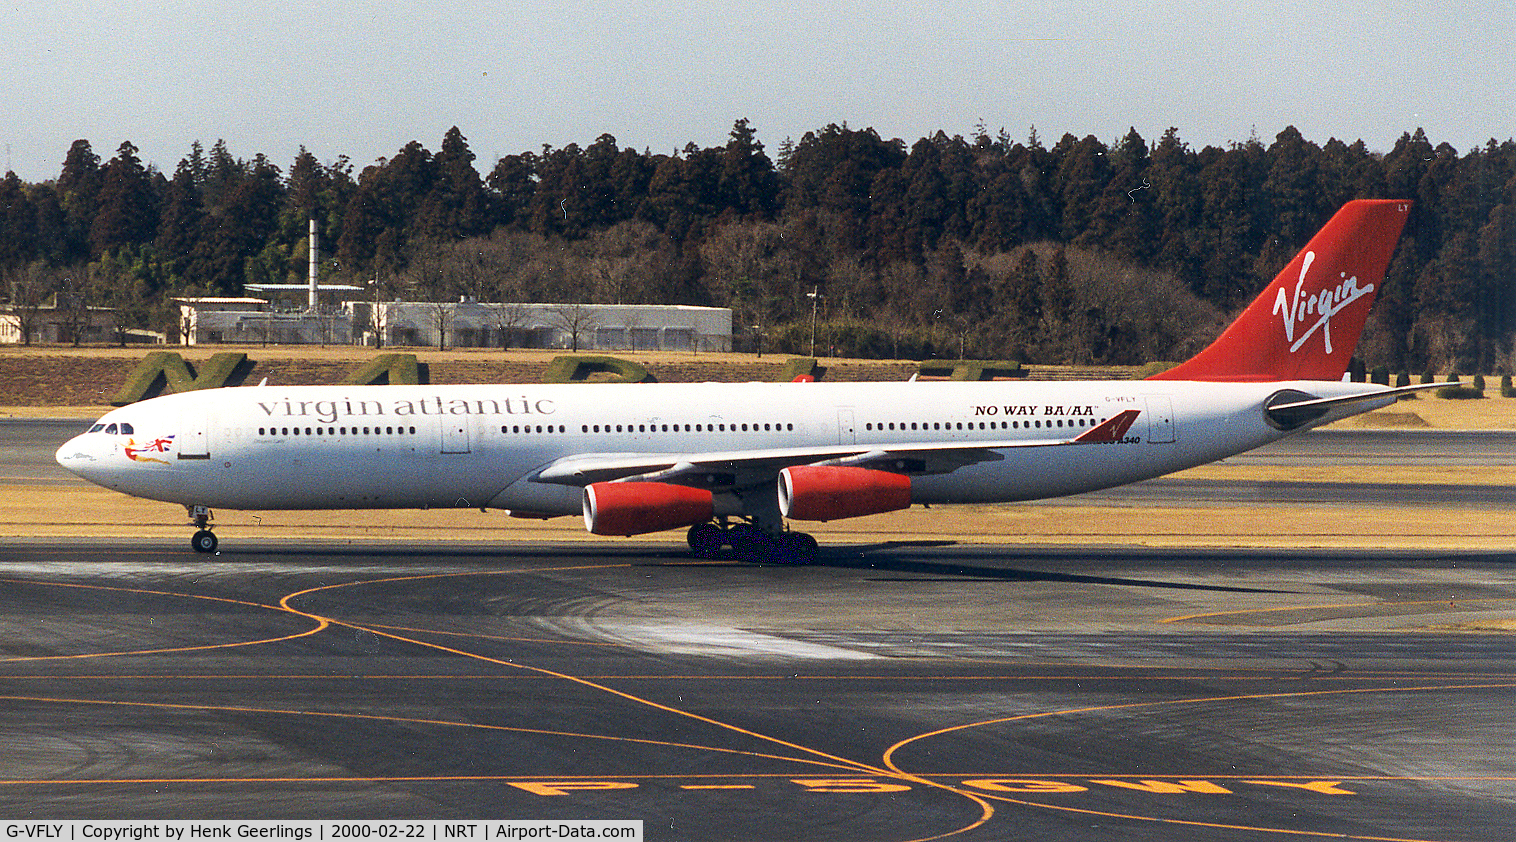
point(829, 492)
point(632, 508)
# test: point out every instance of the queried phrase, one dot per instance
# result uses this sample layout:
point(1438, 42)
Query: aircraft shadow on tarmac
point(927, 560)
point(942, 567)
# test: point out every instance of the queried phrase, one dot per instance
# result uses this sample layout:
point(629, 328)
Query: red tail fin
point(1306, 324)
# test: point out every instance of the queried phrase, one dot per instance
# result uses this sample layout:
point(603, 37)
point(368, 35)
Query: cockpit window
point(111, 430)
point(126, 429)
point(97, 428)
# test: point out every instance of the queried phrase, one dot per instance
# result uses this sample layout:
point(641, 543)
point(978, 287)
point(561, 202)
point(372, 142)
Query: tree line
point(1081, 251)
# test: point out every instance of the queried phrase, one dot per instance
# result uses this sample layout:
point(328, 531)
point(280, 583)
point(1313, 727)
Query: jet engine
point(830, 492)
point(632, 508)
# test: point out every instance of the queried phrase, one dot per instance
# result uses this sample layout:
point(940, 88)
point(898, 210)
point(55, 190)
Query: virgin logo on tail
point(1324, 305)
point(1350, 256)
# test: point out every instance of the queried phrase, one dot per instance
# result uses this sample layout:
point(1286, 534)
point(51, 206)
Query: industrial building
point(460, 324)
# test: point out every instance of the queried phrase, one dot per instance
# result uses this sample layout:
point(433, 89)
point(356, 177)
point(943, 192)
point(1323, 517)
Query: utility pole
point(814, 295)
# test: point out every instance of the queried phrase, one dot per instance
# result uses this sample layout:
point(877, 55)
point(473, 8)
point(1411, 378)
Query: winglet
point(1306, 323)
point(1113, 429)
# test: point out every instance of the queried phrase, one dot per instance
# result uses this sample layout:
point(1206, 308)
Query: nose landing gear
point(204, 540)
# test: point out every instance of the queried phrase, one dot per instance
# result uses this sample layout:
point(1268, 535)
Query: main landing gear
point(204, 540)
point(749, 543)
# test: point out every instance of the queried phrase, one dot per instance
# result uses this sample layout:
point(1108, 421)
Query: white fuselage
point(350, 447)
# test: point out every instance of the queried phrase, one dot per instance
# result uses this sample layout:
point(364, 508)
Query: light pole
point(373, 316)
point(814, 295)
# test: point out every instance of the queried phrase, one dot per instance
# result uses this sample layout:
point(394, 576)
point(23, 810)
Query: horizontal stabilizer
point(1323, 403)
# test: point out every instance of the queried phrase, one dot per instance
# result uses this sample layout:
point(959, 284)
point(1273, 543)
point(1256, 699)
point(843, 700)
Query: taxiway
point(890, 692)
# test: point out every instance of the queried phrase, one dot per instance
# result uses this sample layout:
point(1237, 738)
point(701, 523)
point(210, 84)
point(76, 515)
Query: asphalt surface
point(903, 691)
point(892, 692)
point(27, 446)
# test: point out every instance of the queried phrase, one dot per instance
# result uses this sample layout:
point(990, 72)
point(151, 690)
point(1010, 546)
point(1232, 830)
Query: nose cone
point(81, 456)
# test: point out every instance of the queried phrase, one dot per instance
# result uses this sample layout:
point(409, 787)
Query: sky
point(361, 78)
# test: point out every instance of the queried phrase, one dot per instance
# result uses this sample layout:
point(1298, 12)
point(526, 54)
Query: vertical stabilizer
point(1306, 323)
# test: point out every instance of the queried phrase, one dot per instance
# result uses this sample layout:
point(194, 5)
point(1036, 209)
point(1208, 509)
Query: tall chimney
point(312, 301)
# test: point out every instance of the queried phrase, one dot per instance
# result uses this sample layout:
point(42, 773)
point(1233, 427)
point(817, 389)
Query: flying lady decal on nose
point(1324, 305)
point(158, 445)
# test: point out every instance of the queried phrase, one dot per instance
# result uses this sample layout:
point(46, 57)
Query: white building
point(467, 324)
point(49, 325)
point(600, 327)
point(251, 321)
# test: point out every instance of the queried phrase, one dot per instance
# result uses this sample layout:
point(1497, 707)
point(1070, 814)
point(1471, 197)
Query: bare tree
point(430, 279)
point(72, 308)
point(628, 263)
point(507, 319)
point(377, 321)
point(28, 286)
point(575, 320)
point(186, 320)
point(121, 296)
point(442, 315)
point(750, 265)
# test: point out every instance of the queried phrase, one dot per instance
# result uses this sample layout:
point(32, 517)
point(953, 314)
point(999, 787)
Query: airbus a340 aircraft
point(734, 462)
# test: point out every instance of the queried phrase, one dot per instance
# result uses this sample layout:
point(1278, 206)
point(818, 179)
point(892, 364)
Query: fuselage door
point(847, 429)
point(193, 440)
point(1160, 418)
point(455, 434)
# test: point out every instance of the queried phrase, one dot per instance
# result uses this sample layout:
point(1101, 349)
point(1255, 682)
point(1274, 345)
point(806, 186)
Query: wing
point(746, 468)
